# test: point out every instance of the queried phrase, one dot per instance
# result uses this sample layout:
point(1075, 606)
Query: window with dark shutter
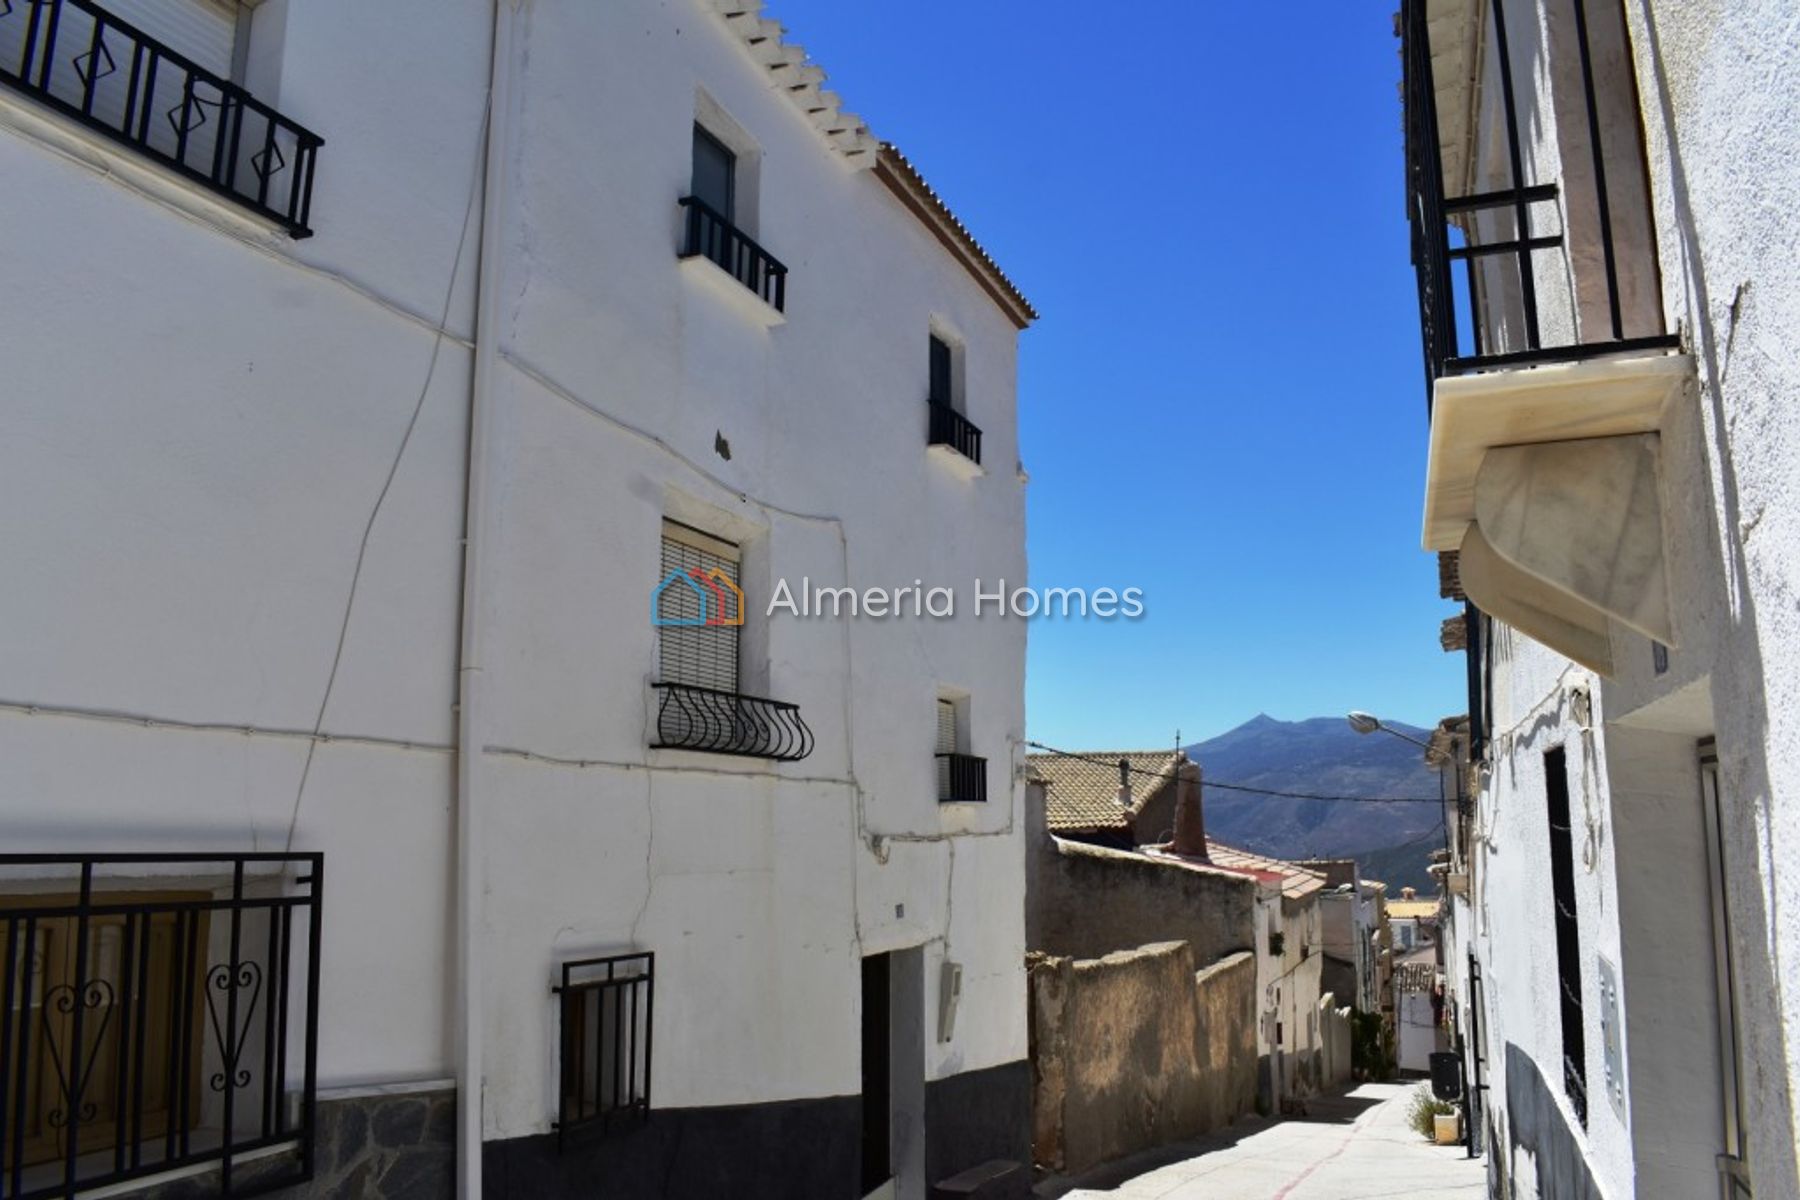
point(715, 174)
point(941, 391)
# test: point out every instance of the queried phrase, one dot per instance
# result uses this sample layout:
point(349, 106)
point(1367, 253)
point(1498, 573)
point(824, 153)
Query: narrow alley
point(1355, 1146)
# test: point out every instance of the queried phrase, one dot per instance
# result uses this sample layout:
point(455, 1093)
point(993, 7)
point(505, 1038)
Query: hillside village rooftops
point(1081, 796)
point(793, 73)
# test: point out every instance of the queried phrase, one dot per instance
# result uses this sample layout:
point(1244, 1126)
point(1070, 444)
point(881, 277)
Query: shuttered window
point(204, 32)
point(697, 655)
point(946, 727)
point(940, 373)
point(715, 174)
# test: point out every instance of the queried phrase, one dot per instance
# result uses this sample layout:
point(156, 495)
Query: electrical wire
point(1241, 787)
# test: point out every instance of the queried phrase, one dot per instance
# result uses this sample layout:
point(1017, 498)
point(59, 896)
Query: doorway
point(893, 1075)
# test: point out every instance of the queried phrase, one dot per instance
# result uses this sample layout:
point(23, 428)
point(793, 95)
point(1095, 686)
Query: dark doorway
point(877, 1074)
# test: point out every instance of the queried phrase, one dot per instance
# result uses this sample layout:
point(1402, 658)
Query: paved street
point(1350, 1147)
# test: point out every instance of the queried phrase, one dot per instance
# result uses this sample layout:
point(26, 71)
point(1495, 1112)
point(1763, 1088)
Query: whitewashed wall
point(201, 416)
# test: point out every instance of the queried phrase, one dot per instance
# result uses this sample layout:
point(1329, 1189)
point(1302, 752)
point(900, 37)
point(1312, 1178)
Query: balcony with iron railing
point(1549, 373)
point(953, 431)
point(722, 722)
point(962, 779)
point(158, 1013)
point(108, 76)
point(709, 236)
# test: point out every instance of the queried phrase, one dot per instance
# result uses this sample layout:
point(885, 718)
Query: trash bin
point(1446, 1075)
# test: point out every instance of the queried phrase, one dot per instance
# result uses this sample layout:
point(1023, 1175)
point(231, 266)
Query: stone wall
point(390, 1145)
point(1134, 1050)
point(1086, 901)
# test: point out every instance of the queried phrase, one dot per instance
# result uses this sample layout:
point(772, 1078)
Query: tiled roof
point(1296, 881)
point(793, 73)
point(1082, 794)
point(1416, 976)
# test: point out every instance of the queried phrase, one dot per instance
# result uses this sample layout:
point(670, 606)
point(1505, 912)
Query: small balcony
point(718, 722)
point(158, 1013)
point(708, 235)
point(962, 779)
point(83, 62)
point(953, 431)
point(1549, 372)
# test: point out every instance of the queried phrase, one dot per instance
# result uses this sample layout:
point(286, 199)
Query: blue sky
point(1223, 403)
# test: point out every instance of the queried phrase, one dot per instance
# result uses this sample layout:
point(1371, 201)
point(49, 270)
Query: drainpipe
point(470, 726)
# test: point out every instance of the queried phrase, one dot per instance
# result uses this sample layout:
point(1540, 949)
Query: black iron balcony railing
point(150, 1022)
point(950, 428)
point(103, 72)
point(1500, 237)
point(962, 779)
point(607, 1005)
point(709, 235)
point(698, 718)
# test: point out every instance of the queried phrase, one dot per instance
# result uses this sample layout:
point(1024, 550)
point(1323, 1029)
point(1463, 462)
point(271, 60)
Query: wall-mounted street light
point(1364, 722)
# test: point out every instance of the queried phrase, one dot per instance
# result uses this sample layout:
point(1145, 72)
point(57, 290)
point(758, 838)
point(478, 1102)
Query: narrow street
point(1349, 1147)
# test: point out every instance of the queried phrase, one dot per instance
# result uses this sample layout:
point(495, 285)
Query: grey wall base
point(792, 1150)
point(1535, 1123)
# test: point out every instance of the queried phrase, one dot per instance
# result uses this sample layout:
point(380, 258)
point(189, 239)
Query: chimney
point(1190, 814)
point(1407, 893)
point(1124, 783)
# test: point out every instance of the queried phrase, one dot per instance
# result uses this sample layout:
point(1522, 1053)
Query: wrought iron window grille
point(950, 428)
point(104, 73)
point(709, 234)
point(606, 1007)
point(148, 1026)
point(962, 779)
point(718, 722)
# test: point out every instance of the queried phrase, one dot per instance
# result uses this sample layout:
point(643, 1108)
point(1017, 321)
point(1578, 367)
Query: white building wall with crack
point(212, 420)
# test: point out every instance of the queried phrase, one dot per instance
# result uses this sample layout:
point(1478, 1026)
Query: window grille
point(147, 1030)
point(606, 1006)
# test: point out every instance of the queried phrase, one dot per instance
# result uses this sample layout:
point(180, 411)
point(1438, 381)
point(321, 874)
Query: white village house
point(1604, 198)
point(367, 367)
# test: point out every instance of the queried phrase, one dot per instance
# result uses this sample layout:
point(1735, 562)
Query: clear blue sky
point(1222, 403)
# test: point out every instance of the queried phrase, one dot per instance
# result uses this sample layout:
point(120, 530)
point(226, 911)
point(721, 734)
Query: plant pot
point(1448, 1127)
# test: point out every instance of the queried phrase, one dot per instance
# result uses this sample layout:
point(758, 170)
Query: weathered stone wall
point(1225, 994)
point(1086, 901)
point(377, 1146)
point(1134, 1050)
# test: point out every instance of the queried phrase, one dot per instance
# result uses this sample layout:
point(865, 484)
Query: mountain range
point(1386, 829)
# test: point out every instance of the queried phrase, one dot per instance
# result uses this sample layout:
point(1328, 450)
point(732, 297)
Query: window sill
point(40, 125)
point(960, 464)
point(710, 277)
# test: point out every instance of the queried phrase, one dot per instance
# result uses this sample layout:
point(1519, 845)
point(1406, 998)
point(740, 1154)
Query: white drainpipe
point(470, 726)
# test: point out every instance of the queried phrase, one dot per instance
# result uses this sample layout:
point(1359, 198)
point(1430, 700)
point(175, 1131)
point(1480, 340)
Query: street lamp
point(1364, 722)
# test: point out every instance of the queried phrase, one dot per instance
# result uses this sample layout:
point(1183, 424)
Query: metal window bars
point(697, 718)
point(1447, 230)
point(152, 1021)
point(962, 779)
point(950, 428)
point(606, 1009)
point(94, 68)
point(709, 234)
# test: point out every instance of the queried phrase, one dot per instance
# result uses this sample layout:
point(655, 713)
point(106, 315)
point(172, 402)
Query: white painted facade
point(1718, 98)
point(236, 468)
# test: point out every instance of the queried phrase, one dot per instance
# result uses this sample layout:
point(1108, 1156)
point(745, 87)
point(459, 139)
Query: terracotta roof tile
point(1082, 794)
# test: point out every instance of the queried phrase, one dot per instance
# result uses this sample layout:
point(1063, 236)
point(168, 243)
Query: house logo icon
point(695, 597)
